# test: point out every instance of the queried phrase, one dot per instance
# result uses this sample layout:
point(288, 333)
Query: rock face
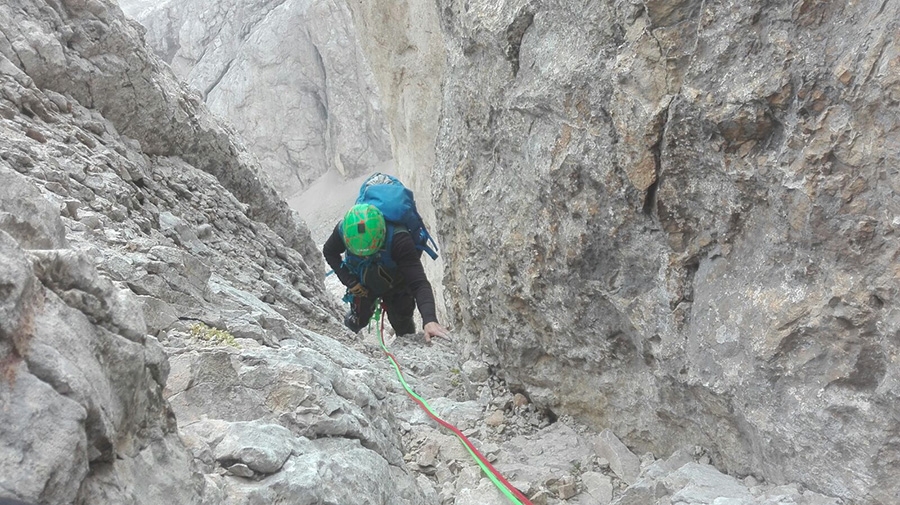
point(403, 42)
point(698, 251)
point(290, 75)
point(316, 86)
point(132, 227)
point(81, 381)
point(676, 220)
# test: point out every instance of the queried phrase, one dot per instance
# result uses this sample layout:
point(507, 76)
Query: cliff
point(667, 222)
point(290, 75)
point(677, 219)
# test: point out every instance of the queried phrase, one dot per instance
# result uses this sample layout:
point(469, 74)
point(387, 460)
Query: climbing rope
point(502, 484)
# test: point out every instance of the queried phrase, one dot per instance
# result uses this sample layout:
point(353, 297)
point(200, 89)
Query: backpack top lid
point(363, 229)
point(398, 205)
point(393, 199)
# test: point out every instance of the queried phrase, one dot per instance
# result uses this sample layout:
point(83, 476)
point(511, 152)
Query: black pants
point(399, 306)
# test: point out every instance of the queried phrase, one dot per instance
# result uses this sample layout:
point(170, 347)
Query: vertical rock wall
point(405, 49)
point(678, 219)
point(289, 74)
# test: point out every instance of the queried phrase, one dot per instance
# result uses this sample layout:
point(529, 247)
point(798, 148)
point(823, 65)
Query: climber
point(381, 261)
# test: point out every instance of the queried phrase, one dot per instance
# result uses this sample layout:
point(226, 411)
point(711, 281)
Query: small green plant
point(454, 377)
point(212, 335)
point(577, 470)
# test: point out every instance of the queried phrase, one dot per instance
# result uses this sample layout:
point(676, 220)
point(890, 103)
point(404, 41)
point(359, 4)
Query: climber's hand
point(433, 329)
point(358, 290)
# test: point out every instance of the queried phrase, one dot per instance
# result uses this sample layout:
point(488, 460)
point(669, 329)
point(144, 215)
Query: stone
point(476, 371)
point(19, 296)
point(73, 277)
point(427, 454)
point(71, 208)
point(495, 419)
point(541, 497)
point(625, 464)
point(308, 124)
point(240, 470)
point(92, 221)
point(64, 325)
point(598, 486)
point(669, 186)
point(156, 360)
point(665, 274)
point(329, 471)
point(158, 315)
point(565, 488)
point(546, 455)
point(44, 450)
point(485, 493)
point(519, 400)
point(261, 447)
point(26, 215)
point(698, 483)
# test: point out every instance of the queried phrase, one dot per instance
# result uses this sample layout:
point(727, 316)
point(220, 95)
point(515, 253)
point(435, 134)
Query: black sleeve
point(332, 250)
point(409, 262)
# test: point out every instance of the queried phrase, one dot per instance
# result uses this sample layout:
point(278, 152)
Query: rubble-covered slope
point(678, 219)
point(132, 226)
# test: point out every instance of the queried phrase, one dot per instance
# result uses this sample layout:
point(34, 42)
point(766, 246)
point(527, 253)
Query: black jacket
point(409, 264)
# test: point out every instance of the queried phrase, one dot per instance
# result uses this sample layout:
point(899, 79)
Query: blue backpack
point(398, 205)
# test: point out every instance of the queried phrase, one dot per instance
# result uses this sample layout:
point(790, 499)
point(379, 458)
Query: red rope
point(456, 431)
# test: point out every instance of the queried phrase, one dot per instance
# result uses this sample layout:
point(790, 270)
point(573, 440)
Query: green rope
point(488, 470)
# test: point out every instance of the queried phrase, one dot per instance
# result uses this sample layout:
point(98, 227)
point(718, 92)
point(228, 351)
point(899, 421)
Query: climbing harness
point(513, 494)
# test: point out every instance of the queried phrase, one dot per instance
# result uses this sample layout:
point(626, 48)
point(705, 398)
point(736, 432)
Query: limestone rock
point(78, 376)
point(702, 484)
point(296, 387)
point(485, 493)
point(598, 488)
point(290, 76)
point(20, 297)
point(546, 456)
point(476, 371)
point(695, 244)
point(45, 450)
point(26, 215)
point(74, 348)
point(495, 418)
point(260, 447)
point(621, 460)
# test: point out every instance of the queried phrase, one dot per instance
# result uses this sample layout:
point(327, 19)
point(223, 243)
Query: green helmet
point(364, 229)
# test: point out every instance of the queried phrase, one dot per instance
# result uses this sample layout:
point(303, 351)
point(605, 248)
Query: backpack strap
point(385, 252)
point(358, 264)
point(424, 239)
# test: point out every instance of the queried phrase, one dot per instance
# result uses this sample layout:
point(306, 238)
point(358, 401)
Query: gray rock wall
point(76, 48)
point(290, 75)
point(80, 379)
point(316, 86)
point(128, 214)
point(404, 47)
point(676, 219)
